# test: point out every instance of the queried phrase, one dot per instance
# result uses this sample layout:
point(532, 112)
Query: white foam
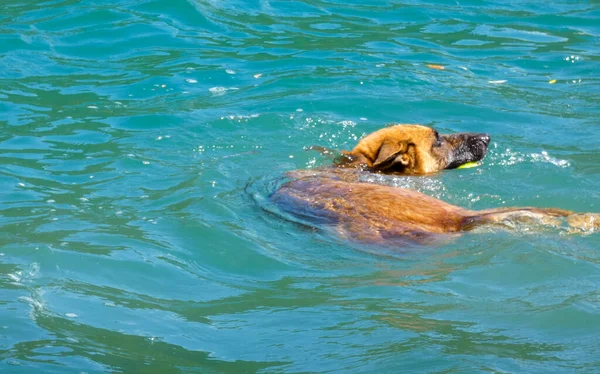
point(218, 91)
point(509, 157)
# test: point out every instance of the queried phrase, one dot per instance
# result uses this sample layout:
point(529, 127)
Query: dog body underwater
point(367, 212)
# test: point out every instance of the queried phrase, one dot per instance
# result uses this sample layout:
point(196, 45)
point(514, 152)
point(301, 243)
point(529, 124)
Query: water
point(138, 140)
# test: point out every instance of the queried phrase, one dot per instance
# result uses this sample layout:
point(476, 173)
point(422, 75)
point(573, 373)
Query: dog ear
point(391, 153)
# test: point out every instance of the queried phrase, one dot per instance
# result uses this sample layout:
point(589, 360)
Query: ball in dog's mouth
point(469, 165)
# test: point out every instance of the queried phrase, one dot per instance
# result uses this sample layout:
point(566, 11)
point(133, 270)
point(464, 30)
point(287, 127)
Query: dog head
point(415, 149)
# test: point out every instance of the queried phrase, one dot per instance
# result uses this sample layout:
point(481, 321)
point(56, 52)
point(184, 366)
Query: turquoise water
point(139, 140)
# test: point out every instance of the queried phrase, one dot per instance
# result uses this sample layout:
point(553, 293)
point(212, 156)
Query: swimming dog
point(369, 212)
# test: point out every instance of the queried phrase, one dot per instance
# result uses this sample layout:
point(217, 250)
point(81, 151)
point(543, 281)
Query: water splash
point(509, 157)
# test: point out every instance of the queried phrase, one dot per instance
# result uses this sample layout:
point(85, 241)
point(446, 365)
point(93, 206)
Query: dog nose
point(485, 138)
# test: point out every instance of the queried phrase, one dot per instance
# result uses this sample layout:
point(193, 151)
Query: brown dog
point(376, 213)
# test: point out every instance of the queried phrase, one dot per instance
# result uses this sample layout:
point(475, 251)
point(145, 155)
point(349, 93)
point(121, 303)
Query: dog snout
point(478, 141)
point(475, 139)
point(468, 138)
point(466, 147)
point(485, 138)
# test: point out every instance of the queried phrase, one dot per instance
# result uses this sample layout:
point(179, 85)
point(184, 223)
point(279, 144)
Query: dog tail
point(552, 212)
point(510, 216)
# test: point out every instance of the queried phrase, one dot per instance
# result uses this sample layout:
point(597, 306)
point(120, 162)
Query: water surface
point(138, 137)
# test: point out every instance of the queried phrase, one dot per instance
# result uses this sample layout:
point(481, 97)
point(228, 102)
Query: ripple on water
point(139, 144)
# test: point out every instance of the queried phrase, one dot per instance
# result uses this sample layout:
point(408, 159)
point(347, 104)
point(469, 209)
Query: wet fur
point(369, 212)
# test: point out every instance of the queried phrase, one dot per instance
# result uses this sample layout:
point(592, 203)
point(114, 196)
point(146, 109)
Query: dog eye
point(438, 140)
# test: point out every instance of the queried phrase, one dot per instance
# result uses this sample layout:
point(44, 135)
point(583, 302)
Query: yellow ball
point(468, 165)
